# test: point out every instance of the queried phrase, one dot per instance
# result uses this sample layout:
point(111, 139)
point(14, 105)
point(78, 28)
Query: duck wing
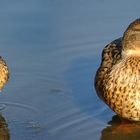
point(111, 55)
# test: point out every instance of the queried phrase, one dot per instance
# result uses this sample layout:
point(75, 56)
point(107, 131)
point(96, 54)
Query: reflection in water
point(121, 130)
point(4, 131)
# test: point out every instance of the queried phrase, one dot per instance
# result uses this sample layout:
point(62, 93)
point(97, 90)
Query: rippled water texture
point(53, 49)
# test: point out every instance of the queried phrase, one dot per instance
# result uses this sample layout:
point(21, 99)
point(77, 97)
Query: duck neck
point(133, 53)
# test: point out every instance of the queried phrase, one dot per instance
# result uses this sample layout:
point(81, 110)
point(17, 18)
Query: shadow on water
point(79, 81)
point(121, 130)
point(80, 77)
point(4, 131)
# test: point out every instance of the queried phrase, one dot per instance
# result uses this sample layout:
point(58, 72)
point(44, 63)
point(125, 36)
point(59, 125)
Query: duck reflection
point(4, 131)
point(121, 130)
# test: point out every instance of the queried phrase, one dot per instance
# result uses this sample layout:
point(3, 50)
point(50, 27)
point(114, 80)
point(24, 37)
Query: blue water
point(53, 49)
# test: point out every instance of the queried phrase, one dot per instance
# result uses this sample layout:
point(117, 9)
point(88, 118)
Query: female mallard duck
point(4, 73)
point(117, 80)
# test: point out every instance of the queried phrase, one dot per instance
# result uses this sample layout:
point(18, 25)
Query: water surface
point(53, 50)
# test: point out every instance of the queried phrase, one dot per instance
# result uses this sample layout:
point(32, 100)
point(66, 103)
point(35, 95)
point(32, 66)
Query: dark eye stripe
point(136, 30)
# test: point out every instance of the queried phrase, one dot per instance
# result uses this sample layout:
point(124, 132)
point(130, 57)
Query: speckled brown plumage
point(4, 73)
point(117, 80)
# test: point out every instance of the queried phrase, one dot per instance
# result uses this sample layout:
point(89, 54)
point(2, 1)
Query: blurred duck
point(4, 73)
point(117, 81)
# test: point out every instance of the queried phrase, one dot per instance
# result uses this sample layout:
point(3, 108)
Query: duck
point(117, 80)
point(4, 73)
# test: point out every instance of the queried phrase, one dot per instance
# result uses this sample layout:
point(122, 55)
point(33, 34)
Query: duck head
point(131, 39)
